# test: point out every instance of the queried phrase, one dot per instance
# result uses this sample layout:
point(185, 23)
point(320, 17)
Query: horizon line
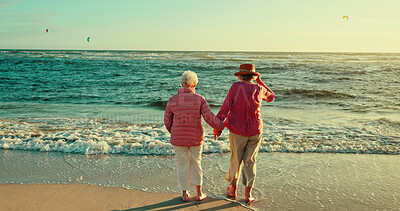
point(232, 51)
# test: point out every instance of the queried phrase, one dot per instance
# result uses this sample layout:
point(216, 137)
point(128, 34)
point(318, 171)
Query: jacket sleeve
point(210, 117)
point(168, 117)
point(227, 105)
point(268, 96)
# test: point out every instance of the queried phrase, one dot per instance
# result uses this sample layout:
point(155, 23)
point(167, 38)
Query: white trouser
point(188, 166)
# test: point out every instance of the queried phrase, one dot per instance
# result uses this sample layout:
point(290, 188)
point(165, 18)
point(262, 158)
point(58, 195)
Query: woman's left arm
point(270, 95)
point(168, 118)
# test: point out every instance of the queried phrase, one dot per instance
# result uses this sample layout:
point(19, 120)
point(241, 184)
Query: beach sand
point(285, 181)
point(91, 197)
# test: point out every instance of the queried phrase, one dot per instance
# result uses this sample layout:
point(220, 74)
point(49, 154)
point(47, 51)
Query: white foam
point(95, 136)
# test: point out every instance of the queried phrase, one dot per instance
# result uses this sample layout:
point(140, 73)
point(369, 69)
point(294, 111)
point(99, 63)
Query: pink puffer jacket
point(182, 118)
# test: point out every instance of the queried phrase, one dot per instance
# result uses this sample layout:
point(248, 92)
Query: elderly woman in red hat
point(241, 108)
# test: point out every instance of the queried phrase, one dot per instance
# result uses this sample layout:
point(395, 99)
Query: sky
point(202, 25)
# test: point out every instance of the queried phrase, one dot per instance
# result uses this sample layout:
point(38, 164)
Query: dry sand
point(90, 197)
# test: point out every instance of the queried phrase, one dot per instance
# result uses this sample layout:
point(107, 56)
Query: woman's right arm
point(227, 104)
point(209, 116)
point(168, 117)
point(224, 110)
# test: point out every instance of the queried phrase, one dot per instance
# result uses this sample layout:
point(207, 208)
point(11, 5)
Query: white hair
point(189, 78)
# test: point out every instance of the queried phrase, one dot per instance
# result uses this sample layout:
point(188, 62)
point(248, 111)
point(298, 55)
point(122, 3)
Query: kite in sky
point(346, 17)
point(47, 30)
point(88, 39)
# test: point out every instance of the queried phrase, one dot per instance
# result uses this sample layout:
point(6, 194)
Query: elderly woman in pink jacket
point(182, 119)
point(241, 108)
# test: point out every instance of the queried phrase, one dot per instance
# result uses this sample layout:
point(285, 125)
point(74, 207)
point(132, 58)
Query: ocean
point(112, 102)
point(331, 138)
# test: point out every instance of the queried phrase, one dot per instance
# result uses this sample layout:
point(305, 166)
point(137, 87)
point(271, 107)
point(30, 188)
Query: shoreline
point(92, 197)
point(285, 181)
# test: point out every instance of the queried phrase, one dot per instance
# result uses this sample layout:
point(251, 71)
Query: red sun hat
point(247, 69)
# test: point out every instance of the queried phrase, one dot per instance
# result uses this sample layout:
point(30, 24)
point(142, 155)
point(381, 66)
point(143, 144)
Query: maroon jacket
point(182, 118)
point(242, 106)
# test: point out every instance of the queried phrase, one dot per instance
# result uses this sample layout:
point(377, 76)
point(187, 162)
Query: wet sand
point(285, 181)
point(90, 197)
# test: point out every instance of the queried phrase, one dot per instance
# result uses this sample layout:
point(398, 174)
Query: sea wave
point(97, 136)
point(315, 93)
point(160, 103)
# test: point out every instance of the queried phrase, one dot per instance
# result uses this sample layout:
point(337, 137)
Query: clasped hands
point(216, 133)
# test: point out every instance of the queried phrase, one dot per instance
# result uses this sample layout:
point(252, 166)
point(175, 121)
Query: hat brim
point(247, 73)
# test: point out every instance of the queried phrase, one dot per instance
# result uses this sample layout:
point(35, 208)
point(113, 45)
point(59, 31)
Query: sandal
point(231, 191)
point(185, 196)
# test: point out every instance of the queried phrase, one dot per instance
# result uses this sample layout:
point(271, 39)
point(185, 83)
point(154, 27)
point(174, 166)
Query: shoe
point(185, 196)
point(231, 191)
point(247, 195)
point(201, 197)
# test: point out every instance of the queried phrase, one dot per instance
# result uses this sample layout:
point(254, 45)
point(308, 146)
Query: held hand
point(216, 134)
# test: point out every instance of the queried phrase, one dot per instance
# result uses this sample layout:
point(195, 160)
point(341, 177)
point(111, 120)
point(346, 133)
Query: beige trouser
point(188, 166)
point(243, 149)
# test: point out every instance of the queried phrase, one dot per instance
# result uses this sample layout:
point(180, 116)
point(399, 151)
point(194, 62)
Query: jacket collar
point(186, 90)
